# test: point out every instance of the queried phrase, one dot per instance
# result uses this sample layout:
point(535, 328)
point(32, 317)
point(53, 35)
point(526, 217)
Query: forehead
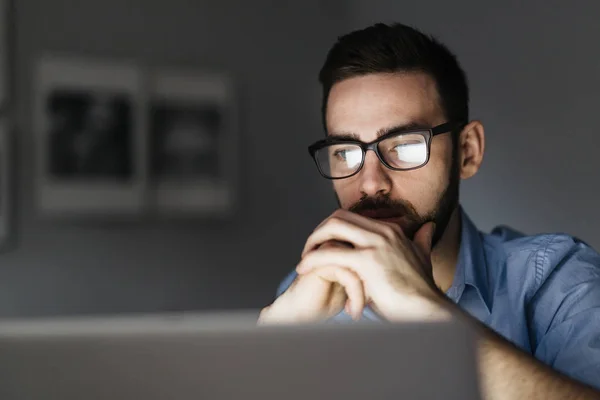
point(366, 104)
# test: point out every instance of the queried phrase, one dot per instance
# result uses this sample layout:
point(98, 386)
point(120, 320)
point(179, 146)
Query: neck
point(445, 254)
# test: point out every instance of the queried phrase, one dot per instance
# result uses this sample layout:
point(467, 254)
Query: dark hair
point(383, 48)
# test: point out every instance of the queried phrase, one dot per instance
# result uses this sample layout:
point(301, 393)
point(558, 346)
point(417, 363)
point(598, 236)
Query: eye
point(350, 156)
point(413, 152)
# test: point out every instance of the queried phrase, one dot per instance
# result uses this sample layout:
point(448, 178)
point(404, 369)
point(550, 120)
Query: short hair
point(382, 48)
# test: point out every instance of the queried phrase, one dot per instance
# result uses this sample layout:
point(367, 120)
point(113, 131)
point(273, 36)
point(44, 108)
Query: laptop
point(225, 356)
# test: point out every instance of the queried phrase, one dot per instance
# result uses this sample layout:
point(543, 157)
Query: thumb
point(424, 237)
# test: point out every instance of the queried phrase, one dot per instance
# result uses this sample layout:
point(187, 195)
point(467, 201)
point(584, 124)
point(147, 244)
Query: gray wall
point(274, 50)
point(533, 68)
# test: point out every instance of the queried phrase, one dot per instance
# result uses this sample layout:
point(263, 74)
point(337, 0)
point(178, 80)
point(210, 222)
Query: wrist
point(431, 307)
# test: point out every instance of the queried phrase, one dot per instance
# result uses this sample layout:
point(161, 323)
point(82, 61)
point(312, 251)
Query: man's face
point(367, 105)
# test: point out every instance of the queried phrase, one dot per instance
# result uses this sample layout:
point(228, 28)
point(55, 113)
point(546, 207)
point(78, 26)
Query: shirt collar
point(471, 268)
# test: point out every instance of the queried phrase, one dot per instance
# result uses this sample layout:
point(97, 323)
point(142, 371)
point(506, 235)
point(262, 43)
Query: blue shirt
point(540, 292)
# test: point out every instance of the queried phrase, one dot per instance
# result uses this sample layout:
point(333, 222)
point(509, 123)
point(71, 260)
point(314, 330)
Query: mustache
point(390, 207)
point(381, 203)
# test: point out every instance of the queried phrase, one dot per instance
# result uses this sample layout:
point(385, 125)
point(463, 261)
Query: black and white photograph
point(185, 138)
point(90, 137)
point(193, 144)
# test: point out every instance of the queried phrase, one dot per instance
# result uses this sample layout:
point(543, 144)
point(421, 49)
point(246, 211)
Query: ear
point(471, 146)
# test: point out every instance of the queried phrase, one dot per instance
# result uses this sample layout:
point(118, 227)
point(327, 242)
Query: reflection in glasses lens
point(401, 152)
point(340, 160)
point(404, 151)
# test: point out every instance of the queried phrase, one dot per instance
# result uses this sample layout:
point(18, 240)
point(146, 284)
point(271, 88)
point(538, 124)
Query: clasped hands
point(351, 261)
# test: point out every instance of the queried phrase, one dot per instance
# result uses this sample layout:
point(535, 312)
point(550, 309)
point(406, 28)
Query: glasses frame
point(427, 133)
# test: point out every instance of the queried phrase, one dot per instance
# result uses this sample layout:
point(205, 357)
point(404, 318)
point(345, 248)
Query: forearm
point(507, 372)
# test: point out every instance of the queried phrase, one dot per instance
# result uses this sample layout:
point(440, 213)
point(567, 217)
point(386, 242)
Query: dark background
point(533, 69)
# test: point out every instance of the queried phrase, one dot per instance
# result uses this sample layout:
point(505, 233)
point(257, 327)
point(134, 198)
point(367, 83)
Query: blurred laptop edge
point(225, 355)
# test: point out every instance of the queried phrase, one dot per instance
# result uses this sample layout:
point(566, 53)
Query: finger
point(314, 243)
point(423, 238)
point(366, 222)
point(340, 212)
point(395, 227)
point(351, 284)
point(358, 231)
point(334, 244)
point(354, 259)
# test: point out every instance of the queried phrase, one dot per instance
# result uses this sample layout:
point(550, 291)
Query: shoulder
point(553, 281)
point(535, 258)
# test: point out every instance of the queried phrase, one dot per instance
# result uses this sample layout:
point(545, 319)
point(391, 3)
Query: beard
point(411, 221)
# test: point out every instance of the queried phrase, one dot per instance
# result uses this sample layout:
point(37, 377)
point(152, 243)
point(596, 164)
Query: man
point(399, 140)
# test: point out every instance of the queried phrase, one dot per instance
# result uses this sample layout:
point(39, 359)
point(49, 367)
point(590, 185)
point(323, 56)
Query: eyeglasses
point(398, 150)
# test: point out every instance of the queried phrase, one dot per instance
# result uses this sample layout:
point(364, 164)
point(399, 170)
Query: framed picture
point(5, 51)
point(7, 151)
point(6, 182)
point(91, 140)
point(193, 144)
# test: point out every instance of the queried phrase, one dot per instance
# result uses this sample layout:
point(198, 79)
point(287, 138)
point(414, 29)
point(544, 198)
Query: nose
point(374, 178)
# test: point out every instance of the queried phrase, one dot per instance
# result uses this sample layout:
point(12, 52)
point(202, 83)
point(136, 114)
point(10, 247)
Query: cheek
point(428, 184)
point(416, 187)
point(422, 188)
point(347, 191)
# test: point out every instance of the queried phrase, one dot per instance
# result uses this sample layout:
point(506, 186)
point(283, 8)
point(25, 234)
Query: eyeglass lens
point(405, 151)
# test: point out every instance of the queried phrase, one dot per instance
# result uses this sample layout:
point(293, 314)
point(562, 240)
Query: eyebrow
point(381, 132)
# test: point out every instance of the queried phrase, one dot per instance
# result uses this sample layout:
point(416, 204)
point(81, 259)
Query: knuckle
point(351, 279)
point(308, 259)
point(321, 224)
point(334, 220)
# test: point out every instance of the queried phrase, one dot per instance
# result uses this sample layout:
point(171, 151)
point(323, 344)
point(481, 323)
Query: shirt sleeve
point(285, 283)
point(564, 313)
